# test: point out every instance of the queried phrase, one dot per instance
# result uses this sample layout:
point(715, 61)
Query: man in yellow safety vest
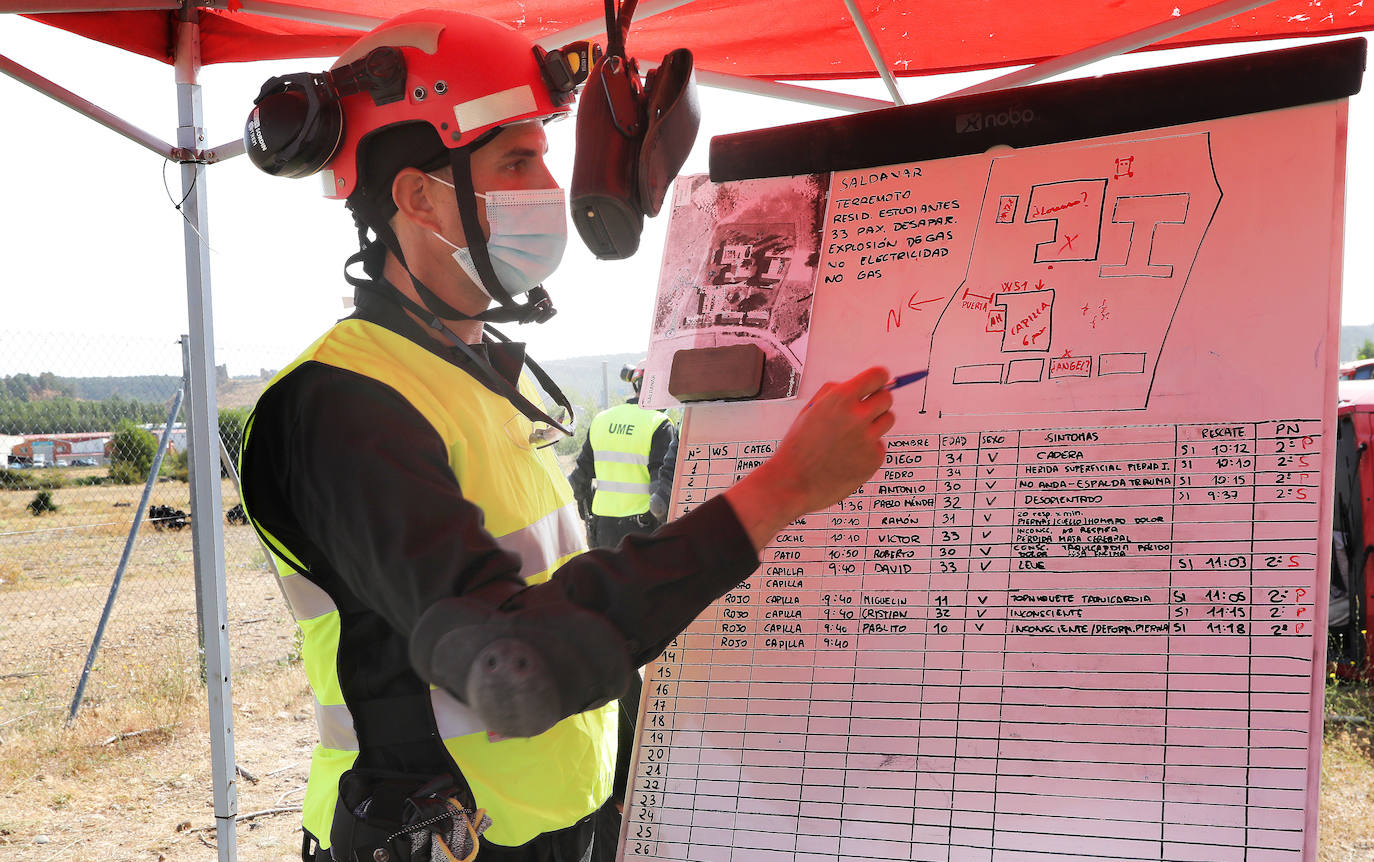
point(630, 452)
point(464, 648)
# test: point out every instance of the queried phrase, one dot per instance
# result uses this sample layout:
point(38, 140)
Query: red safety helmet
point(461, 74)
point(464, 75)
point(452, 78)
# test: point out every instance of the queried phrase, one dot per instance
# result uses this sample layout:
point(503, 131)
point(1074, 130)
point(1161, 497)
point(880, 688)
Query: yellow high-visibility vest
point(527, 786)
point(621, 438)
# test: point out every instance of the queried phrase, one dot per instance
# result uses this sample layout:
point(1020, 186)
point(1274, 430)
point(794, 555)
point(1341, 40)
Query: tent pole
point(226, 150)
point(875, 51)
point(307, 15)
point(43, 7)
point(207, 521)
point(789, 92)
point(60, 94)
point(597, 26)
point(348, 21)
point(1120, 45)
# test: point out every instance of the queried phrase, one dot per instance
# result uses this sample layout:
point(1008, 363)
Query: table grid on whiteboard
point(1062, 644)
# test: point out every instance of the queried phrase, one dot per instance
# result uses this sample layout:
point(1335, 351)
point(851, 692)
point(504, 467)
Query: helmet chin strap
point(433, 311)
point(538, 307)
point(376, 285)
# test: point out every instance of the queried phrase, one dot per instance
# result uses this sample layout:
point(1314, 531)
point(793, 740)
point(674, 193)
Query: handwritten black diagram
point(1073, 285)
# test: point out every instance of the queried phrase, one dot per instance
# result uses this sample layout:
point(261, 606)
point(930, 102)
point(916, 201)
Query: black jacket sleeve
point(663, 460)
point(350, 476)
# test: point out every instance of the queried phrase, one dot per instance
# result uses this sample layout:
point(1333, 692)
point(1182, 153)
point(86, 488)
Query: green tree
point(1366, 350)
point(64, 415)
point(132, 450)
point(176, 465)
point(585, 409)
point(232, 421)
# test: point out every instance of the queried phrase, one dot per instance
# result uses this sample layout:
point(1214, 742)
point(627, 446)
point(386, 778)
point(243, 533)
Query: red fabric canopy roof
point(770, 39)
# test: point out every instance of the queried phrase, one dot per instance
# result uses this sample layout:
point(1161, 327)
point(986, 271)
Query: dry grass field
point(130, 780)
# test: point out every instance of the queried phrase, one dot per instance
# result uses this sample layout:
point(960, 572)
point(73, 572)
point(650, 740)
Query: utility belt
point(643, 520)
point(386, 815)
point(607, 531)
point(592, 839)
point(383, 817)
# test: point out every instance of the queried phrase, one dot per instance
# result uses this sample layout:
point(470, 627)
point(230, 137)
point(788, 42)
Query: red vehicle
point(1359, 369)
point(1350, 641)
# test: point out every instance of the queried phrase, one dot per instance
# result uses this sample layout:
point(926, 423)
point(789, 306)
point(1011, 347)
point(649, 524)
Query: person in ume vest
point(630, 452)
point(464, 648)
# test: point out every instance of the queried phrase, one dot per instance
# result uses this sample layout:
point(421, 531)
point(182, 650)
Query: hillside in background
point(1351, 339)
point(155, 388)
point(580, 377)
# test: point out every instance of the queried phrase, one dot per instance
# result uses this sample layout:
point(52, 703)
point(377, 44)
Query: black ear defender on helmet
point(297, 122)
point(632, 139)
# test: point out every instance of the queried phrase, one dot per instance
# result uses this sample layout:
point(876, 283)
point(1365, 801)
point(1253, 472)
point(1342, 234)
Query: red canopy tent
point(769, 39)
point(748, 45)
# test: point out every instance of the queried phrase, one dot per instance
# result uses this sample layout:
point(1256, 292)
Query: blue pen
point(903, 379)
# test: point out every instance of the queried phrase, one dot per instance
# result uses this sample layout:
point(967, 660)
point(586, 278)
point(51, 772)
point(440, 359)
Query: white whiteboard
point(1080, 613)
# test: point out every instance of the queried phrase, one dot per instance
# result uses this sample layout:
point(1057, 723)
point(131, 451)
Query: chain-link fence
point(80, 422)
point(76, 447)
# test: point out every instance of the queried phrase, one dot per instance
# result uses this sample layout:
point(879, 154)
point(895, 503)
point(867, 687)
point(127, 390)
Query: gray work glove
point(658, 507)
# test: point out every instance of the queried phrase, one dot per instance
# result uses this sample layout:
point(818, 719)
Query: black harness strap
point(538, 307)
point(485, 373)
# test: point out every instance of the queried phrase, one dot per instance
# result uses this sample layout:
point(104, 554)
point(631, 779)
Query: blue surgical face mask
point(529, 231)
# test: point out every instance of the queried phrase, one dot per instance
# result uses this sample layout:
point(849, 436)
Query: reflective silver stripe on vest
point(305, 597)
point(620, 457)
point(336, 727)
point(539, 545)
point(552, 537)
point(623, 487)
point(452, 718)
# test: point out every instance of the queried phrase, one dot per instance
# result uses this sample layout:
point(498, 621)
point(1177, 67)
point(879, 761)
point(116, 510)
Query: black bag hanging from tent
point(632, 138)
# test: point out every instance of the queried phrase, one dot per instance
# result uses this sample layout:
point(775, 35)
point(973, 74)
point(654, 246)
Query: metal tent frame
point(193, 156)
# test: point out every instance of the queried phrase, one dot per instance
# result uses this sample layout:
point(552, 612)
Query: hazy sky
point(94, 245)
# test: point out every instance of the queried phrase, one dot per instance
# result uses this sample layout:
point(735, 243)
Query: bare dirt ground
point(130, 780)
point(1346, 829)
point(146, 798)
